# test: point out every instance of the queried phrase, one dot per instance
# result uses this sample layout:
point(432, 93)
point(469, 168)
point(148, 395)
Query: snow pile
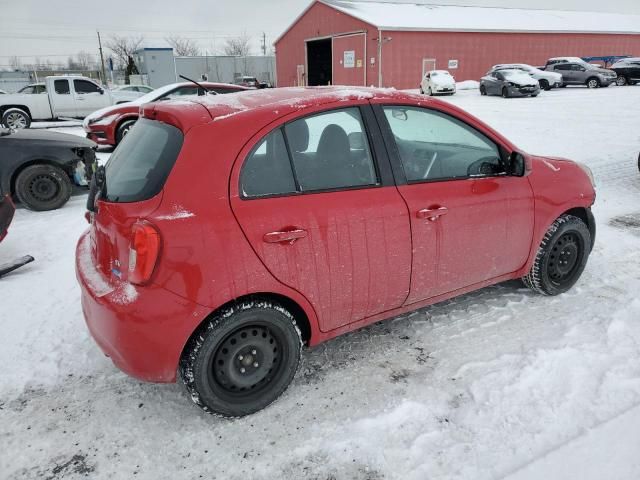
point(468, 85)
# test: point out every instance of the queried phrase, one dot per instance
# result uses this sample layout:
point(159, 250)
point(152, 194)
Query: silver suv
point(583, 73)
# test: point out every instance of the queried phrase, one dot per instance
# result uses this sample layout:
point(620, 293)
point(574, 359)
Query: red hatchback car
point(109, 125)
point(228, 231)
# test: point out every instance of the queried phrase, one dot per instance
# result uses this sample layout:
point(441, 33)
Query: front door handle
point(289, 236)
point(432, 214)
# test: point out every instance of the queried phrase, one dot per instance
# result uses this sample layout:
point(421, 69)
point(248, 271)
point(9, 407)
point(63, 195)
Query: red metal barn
point(391, 44)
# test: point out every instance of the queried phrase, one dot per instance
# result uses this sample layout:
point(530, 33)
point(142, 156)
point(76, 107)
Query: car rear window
point(139, 167)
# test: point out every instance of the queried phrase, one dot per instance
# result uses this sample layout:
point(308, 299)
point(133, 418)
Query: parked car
point(220, 243)
point(33, 88)
point(128, 93)
point(246, 81)
point(108, 126)
point(583, 73)
point(509, 83)
point(627, 71)
point(438, 82)
point(547, 80)
point(39, 167)
point(66, 96)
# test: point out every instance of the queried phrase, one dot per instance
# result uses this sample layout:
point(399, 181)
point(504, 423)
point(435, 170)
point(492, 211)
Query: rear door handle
point(432, 214)
point(284, 237)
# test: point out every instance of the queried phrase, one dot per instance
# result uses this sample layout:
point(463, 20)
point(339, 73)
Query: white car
point(128, 93)
point(547, 80)
point(438, 82)
point(68, 96)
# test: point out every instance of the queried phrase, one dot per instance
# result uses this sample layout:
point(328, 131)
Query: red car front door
point(320, 210)
point(470, 222)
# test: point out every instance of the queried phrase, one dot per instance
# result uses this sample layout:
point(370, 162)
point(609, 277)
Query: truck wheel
point(561, 257)
point(593, 82)
point(16, 119)
point(242, 359)
point(43, 187)
point(123, 129)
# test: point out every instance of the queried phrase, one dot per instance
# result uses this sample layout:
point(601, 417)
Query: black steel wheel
point(242, 359)
point(43, 187)
point(561, 257)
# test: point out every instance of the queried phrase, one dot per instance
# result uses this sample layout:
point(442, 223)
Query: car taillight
point(143, 252)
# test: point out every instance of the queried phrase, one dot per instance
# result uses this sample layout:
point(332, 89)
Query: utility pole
point(264, 43)
point(104, 76)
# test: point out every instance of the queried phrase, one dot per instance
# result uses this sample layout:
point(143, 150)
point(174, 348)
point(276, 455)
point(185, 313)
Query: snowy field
point(500, 383)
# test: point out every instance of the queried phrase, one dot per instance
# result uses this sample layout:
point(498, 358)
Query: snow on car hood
point(520, 79)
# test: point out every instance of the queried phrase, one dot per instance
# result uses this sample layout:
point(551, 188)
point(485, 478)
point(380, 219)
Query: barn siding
point(476, 52)
point(319, 21)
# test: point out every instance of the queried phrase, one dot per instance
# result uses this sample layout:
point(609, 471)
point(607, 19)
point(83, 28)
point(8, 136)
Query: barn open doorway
point(319, 69)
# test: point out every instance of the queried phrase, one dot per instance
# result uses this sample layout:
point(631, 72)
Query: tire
point(505, 92)
point(123, 129)
point(430, 92)
point(42, 187)
point(593, 82)
point(534, 95)
point(544, 84)
point(483, 90)
point(621, 81)
point(16, 119)
point(233, 349)
point(567, 240)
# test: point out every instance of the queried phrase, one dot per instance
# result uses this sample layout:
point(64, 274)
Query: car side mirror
point(101, 90)
point(517, 165)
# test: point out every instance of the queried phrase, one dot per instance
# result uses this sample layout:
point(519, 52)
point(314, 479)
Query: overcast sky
point(55, 30)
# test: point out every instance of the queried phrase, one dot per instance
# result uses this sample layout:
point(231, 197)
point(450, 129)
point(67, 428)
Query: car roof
point(270, 104)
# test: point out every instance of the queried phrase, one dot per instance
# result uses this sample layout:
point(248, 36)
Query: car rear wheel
point(16, 119)
point(43, 187)
point(561, 257)
point(505, 92)
point(123, 129)
point(242, 359)
point(593, 83)
point(621, 81)
point(483, 90)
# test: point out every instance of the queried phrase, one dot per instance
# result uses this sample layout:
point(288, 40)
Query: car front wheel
point(561, 257)
point(593, 83)
point(43, 187)
point(544, 84)
point(242, 359)
point(123, 129)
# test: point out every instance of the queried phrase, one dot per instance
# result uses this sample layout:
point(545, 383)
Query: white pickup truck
point(64, 97)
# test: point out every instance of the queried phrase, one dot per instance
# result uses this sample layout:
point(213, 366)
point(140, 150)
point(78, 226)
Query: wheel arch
point(300, 315)
point(584, 214)
point(4, 108)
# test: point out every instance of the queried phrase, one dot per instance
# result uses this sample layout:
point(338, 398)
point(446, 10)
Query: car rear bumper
point(142, 329)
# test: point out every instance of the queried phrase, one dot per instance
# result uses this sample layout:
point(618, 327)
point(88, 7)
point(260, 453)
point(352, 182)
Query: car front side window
point(435, 146)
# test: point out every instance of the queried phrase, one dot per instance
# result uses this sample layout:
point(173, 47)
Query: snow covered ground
point(500, 383)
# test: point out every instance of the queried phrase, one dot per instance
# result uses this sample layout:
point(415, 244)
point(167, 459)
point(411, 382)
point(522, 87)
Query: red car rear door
point(316, 200)
point(470, 221)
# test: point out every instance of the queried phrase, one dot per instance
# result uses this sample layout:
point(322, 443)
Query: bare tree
point(15, 63)
point(84, 60)
point(123, 47)
point(183, 47)
point(238, 46)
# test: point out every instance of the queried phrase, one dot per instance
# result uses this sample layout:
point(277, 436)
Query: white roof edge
point(396, 16)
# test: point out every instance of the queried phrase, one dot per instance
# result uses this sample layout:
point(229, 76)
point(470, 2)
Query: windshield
point(517, 76)
point(139, 167)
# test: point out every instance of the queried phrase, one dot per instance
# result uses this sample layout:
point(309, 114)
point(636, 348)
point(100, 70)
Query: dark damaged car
point(39, 168)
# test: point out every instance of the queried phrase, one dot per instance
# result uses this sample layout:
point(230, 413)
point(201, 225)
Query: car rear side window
point(267, 170)
point(61, 87)
point(139, 167)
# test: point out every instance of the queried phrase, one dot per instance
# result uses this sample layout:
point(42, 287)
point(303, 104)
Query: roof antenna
point(199, 86)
